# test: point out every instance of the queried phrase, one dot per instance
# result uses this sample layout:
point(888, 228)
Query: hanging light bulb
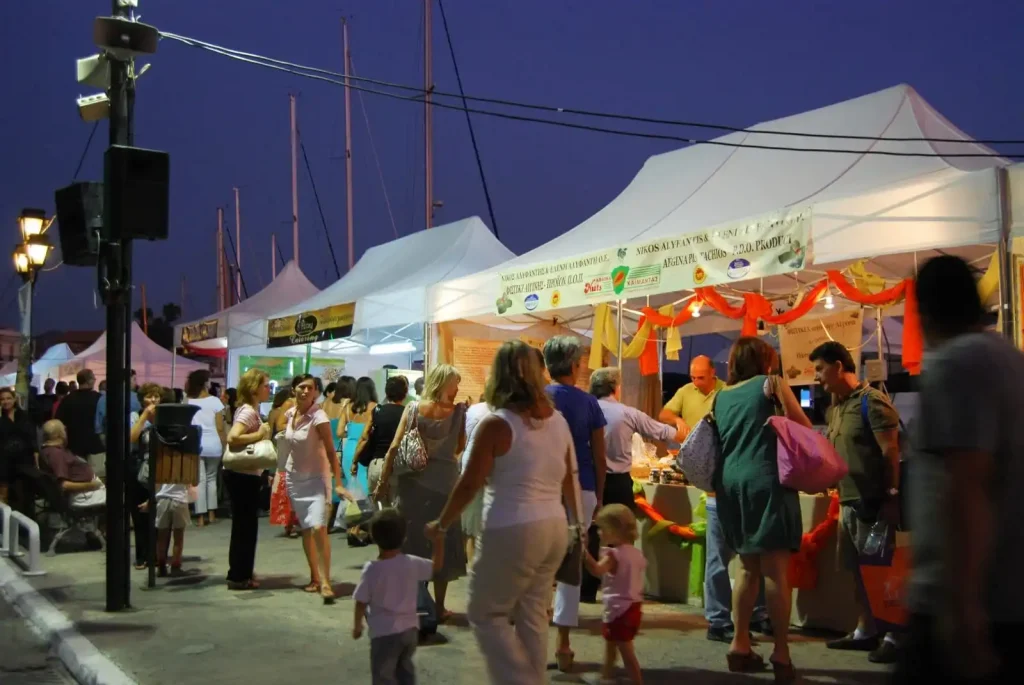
point(829, 304)
point(696, 310)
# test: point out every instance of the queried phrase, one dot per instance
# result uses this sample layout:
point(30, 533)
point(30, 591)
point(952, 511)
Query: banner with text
point(197, 332)
point(330, 323)
point(772, 245)
point(798, 339)
point(473, 358)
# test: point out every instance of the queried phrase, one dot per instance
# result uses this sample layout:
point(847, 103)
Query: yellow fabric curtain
point(606, 335)
point(989, 283)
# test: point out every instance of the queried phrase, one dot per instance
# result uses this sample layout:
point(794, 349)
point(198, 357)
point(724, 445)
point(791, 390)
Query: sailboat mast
point(220, 259)
point(273, 256)
point(428, 110)
point(295, 182)
point(238, 246)
point(348, 145)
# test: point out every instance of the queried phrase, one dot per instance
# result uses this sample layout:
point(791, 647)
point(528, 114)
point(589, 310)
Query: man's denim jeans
point(717, 588)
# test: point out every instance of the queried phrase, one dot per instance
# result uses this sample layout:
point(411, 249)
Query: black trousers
point(142, 521)
point(924, 659)
point(244, 490)
point(618, 489)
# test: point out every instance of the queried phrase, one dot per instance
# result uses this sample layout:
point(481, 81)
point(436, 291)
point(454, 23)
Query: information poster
point(327, 369)
point(771, 245)
point(280, 369)
point(473, 358)
point(799, 339)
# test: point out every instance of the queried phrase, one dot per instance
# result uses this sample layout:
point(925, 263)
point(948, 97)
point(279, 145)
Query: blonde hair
point(250, 385)
point(516, 380)
point(54, 432)
point(438, 377)
point(619, 519)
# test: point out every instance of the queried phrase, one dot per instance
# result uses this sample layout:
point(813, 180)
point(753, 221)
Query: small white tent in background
point(47, 366)
point(151, 362)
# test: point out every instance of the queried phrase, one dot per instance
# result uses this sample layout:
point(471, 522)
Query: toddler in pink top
point(621, 569)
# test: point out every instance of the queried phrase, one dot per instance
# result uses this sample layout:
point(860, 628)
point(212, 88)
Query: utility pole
point(116, 280)
point(428, 110)
point(348, 145)
point(295, 181)
point(238, 246)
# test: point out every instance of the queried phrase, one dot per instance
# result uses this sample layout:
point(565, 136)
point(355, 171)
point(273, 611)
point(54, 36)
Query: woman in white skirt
point(309, 463)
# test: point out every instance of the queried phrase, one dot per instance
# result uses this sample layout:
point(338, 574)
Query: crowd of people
point(528, 492)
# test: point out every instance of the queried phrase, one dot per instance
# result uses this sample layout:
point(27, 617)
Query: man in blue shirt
point(101, 407)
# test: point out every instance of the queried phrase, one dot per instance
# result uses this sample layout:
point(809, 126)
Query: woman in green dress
point(760, 518)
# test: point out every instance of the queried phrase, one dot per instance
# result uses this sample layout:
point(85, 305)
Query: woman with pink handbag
point(760, 517)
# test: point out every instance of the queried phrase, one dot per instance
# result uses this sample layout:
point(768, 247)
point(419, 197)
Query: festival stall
point(240, 331)
point(374, 314)
point(152, 363)
point(759, 230)
point(47, 366)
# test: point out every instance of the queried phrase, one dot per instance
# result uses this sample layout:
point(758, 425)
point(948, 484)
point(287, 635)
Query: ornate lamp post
point(29, 256)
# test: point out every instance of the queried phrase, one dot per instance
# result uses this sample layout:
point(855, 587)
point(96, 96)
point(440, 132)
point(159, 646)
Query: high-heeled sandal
point(784, 673)
point(564, 660)
point(745, 662)
point(327, 592)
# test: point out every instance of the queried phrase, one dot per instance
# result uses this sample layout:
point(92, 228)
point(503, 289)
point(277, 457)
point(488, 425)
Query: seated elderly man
point(76, 477)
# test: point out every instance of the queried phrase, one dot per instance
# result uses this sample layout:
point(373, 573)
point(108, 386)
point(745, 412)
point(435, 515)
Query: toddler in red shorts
point(621, 569)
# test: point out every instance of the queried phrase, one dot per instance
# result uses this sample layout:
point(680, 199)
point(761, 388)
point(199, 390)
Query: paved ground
point(24, 657)
point(194, 630)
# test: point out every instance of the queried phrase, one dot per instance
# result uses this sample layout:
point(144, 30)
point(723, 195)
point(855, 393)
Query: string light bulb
point(696, 310)
point(829, 303)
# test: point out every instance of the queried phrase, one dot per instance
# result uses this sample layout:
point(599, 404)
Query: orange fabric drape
point(649, 357)
point(850, 291)
point(803, 566)
point(913, 344)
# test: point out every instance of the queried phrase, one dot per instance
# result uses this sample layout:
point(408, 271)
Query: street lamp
point(29, 256)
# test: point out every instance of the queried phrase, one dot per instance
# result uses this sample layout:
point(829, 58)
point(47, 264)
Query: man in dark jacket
point(77, 412)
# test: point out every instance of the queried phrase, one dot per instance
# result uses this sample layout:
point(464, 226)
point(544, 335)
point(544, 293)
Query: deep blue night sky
point(226, 123)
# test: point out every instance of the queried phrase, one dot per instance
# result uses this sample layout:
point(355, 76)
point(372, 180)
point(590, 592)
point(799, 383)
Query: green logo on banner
point(619, 274)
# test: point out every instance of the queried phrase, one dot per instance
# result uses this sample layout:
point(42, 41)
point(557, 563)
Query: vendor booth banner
point(772, 245)
point(330, 323)
point(798, 339)
point(281, 370)
point(197, 332)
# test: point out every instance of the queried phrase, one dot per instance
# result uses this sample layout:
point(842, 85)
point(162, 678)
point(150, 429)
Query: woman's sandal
point(445, 616)
point(327, 592)
point(784, 673)
point(313, 587)
point(564, 660)
point(749, 662)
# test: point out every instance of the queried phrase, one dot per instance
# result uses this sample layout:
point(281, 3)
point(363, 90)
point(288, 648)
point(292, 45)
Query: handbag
point(700, 453)
point(570, 571)
point(807, 460)
point(259, 456)
point(365, 455)
point(412, 453)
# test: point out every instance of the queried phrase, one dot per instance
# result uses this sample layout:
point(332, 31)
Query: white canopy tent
point(244, 324)
point(862, 205)
point(47, 366)
point(389, 284)
point(152, 363)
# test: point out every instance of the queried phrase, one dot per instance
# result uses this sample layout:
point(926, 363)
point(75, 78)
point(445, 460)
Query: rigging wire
point(85, 152)
point(619, 132)
point(241, 275)
point(316, 195)
point(376, 157)
point(581, 112)
point(469, 121)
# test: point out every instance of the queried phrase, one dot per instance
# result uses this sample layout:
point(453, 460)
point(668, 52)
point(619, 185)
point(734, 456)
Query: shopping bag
point(885, 577)
point(807, 460)
point(700, 454)
point(356, 512)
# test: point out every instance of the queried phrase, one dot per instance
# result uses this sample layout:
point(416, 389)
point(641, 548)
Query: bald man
point(688, 406)
point(692, 402)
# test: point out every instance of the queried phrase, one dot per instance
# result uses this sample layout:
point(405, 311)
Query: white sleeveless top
point(525, 484)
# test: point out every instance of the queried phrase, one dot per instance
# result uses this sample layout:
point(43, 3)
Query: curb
point(87, 664)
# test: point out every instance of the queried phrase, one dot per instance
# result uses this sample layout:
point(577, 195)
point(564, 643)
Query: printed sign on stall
point(197, 332)
point(772, 245)
point(798, 339)
point(330, 323)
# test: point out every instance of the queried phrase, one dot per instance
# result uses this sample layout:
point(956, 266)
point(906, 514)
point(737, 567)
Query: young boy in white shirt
point(171, 517)
point(388, 587)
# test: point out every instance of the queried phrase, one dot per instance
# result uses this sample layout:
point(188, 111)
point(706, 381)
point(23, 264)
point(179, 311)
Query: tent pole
point(618, 353)
point(1007, 315)
point(427, 347)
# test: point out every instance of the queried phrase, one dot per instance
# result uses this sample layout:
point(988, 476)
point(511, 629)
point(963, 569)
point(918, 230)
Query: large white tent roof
point(151, 362)
point(389, 282)
point(46, 366)
point(862, 204)
point(244, 324)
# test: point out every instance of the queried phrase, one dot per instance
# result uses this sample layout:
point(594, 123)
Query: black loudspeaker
point(137, 192)
point(79, 221)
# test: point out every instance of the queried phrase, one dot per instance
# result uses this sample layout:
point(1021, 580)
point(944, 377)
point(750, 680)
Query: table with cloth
point(675, 565)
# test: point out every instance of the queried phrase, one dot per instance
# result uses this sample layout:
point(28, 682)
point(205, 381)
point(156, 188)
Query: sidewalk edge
point(88, 665)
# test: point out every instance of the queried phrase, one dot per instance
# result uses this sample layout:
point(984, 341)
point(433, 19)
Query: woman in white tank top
point(522, 455)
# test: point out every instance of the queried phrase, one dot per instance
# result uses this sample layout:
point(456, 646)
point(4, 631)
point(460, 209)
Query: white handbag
point(700, 454)
point(259, 456)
